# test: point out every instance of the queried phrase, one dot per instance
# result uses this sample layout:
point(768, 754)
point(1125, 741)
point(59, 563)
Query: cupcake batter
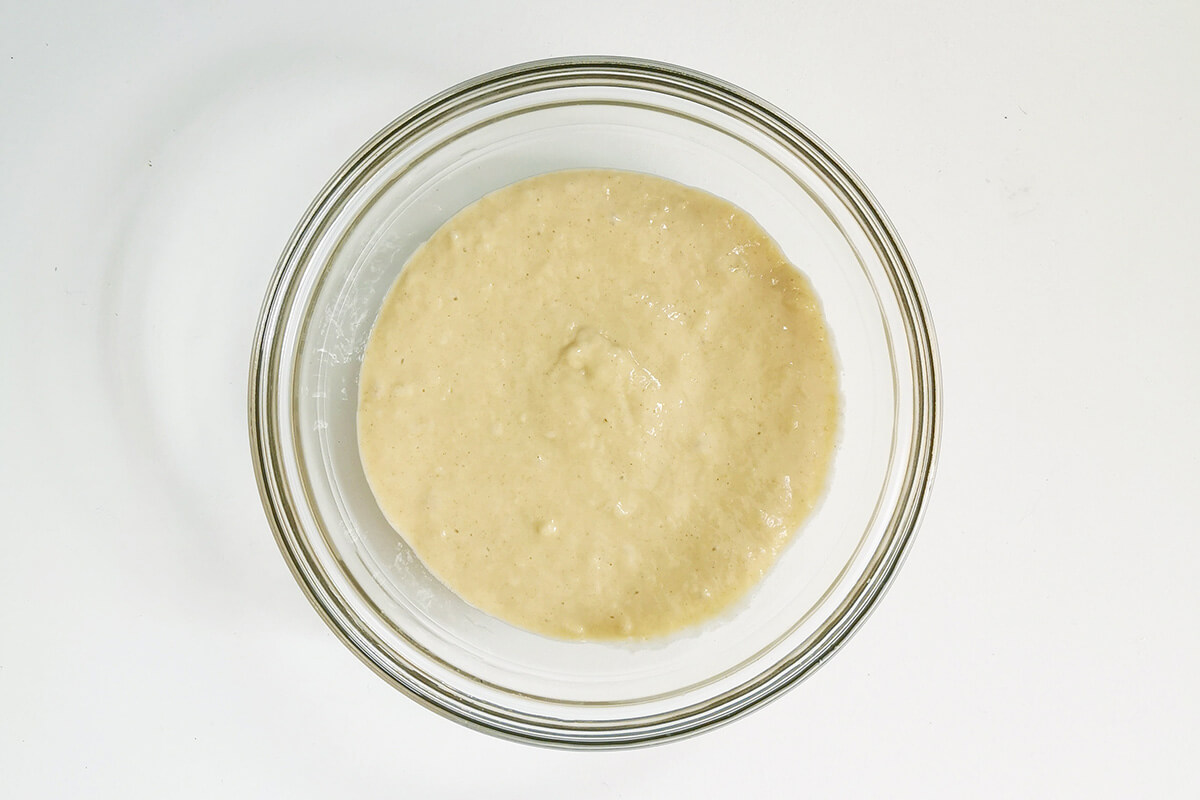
point(598, 404)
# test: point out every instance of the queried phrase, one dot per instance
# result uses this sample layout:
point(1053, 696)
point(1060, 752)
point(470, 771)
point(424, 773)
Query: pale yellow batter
point(597, 404)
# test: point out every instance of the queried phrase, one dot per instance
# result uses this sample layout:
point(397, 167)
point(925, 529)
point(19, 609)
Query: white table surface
point(1040, 160)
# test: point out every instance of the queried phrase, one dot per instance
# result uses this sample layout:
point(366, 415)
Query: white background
point(1040, 160)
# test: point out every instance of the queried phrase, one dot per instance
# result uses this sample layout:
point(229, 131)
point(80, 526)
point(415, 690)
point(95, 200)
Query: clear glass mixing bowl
point(349, 248)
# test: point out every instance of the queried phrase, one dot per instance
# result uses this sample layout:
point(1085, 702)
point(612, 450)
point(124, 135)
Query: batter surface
point(597, 404)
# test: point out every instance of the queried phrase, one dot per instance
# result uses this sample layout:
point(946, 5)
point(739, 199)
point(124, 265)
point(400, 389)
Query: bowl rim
point(906, 514)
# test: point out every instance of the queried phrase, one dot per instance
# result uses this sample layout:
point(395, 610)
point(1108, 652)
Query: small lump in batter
point(598, 404)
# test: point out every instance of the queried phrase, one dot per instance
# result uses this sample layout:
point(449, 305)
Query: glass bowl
point(351, 245)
